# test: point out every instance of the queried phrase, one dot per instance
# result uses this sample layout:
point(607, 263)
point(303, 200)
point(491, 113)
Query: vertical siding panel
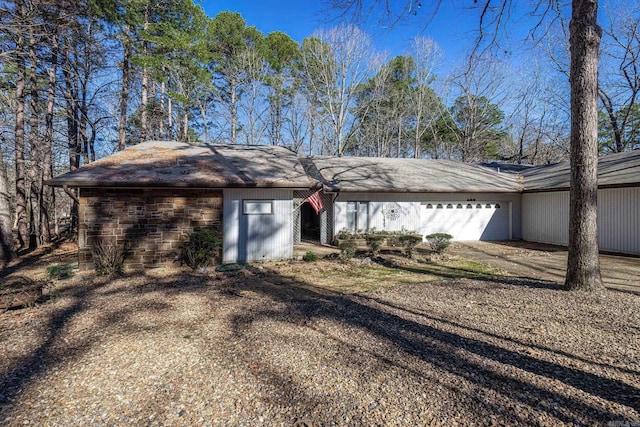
point(618, 225)
point(258, 237)
point(546, 218)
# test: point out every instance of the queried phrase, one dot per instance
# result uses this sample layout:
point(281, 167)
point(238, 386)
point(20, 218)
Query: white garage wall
point(257, 237)
point(546, 218)
point(409, 204)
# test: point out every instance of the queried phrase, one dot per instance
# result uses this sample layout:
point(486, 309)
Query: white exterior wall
point(546, 218)
point(257, 237)
point(410, 208)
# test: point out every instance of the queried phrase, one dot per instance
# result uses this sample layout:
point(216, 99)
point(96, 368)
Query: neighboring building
point(545, 203)
point(151, 196)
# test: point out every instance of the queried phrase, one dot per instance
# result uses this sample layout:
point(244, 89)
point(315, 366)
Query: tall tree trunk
point(185, 125)
point(162, 111)
point(124, 93)
point(35, 167)
point(144, 96)
point(205, 127)
point(7, 249)
point(234, 118)
point(169, 118)
point(21, 186)
point(83, 81)
point(144, 104)
point(70, 95)
point(583, 264)
point(48, 195)
point(71, 109)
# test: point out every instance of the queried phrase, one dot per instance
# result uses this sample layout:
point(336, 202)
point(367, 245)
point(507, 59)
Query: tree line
point(82, 79)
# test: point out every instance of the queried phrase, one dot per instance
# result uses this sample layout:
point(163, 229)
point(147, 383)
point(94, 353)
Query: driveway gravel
point(269, 346)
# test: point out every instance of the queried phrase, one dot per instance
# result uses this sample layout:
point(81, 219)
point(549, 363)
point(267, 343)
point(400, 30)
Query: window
point(449, 206)
point(488, 206)
point(469, 206)
point(459, 206)
point(478, 206)
point(429, 206)
point(257, 207)
point(439, 206)
point(357, 216)
point(497, 205)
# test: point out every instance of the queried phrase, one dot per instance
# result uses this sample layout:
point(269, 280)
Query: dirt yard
point(548, 262)
point(380, 342)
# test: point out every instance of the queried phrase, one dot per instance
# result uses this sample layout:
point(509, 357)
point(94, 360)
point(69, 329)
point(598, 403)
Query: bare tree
point(336, 62)
point(425, 106)
point(7, 250)
point(480, 90)
point(619, 86)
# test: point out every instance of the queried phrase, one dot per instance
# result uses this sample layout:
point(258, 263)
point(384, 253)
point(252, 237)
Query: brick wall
point(152, 223)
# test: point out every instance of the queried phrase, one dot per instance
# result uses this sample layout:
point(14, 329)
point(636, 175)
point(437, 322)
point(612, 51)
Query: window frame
point(358, 206)
point(248, 202)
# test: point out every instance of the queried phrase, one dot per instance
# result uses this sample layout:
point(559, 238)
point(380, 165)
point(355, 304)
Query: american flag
point(316, 201)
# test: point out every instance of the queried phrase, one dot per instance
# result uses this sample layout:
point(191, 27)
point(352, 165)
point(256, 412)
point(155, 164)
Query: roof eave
point(216, 186)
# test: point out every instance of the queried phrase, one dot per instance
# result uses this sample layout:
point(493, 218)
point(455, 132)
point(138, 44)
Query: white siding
point(619, 220)
point(546, 218)
point(410, 210)
point(257, 237)
point(467, 220)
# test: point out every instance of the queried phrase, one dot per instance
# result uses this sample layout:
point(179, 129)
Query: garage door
point(466, 220)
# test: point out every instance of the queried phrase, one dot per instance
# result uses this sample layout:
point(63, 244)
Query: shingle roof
point(407, 175)
point(620, 169)
point(177, 164)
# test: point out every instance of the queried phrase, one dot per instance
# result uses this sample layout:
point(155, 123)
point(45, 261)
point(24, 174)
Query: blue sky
point(452, 28)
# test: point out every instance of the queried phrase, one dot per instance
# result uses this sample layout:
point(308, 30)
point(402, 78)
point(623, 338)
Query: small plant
point(344, 235)
point(374, 242)
point(108, 258)
point(201, 247)
point(310, 257)
point(409, 242)
point(439, 241)
point(347, 249)
point(60, 271)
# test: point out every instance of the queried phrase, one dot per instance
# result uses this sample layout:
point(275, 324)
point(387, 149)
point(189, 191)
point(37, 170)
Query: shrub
point(347, 249)
point(344, 235)
point(60, 271)
point(201, 247)
point(309, 257)
point(108, 258)
point(374, 242)
point(439, 241)
point(409, 242)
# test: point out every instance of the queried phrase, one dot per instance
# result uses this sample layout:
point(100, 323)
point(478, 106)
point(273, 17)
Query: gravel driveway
point(267, 346)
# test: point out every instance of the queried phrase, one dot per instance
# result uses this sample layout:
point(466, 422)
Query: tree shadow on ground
point(284, 298)
point(449, 351)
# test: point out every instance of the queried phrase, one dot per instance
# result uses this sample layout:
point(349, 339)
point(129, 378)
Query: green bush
point(201, 247)
point(60, 271)
point(347, 249)
point(439, 241)
point(409, 242)
point(309, 257)
point(108, 258)
point(374, 242)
